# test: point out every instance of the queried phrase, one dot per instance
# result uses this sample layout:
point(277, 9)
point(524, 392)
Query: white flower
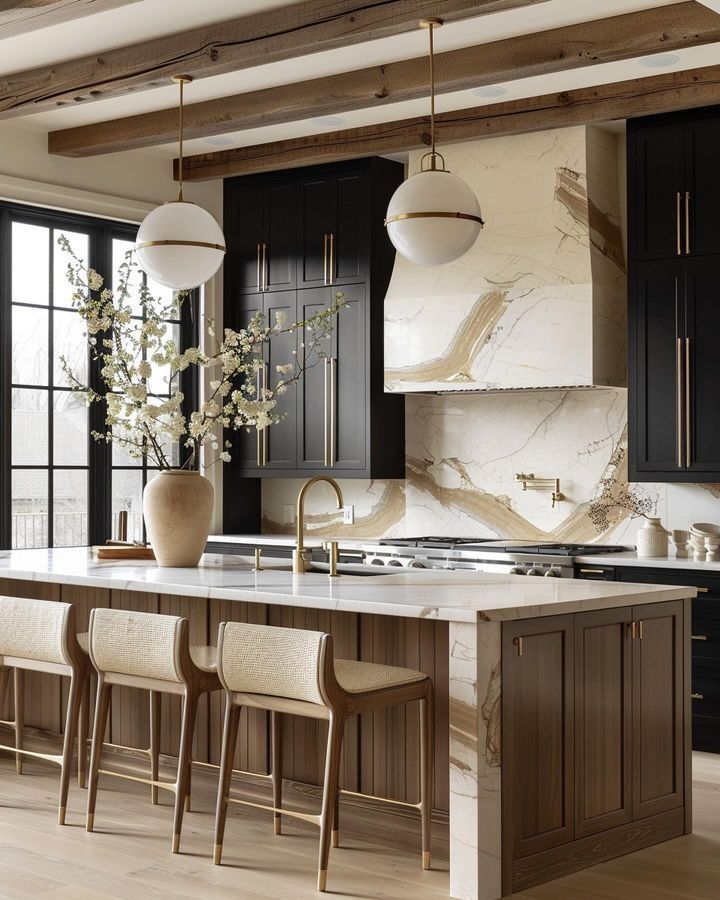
point(144, 369)
point(225, 456)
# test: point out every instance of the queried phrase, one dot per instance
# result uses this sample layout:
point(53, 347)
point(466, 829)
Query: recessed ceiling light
point(329, 120)
point(659, 61)
point(489, 90)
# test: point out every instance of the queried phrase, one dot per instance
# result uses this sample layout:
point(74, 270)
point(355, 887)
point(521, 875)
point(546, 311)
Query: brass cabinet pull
point(687, 222)
point(640, 630)
point(633, 629)
point(265, 274)
point(333, 404)
point(679, 398)
point(592, 571)
point(702, 590)
point(695, 696)
point(518, 642)
point(326, 410)
point(332, 268)
point(688, 409)
point(698, 637)
point(325, 259)
point(259, 266)
point(678, 200)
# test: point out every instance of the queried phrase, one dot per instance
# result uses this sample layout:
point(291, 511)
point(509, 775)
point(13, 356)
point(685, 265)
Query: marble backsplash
point(462, 452)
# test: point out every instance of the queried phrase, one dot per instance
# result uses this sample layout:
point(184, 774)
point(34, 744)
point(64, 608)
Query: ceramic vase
point(652, 539)
point(178, 508)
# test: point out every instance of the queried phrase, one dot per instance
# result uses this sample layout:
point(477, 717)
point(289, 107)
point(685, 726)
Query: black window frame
point(101, 232)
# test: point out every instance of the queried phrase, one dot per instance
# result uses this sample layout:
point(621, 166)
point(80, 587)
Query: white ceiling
point(154, 18)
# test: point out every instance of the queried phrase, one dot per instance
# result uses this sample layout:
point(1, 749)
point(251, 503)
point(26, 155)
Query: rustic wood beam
point(21, 16)
point(632, 35)
point(275, 34)
point(621, 100)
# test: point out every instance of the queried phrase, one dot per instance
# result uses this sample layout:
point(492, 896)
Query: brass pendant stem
point(182, 80)
point(431, 25)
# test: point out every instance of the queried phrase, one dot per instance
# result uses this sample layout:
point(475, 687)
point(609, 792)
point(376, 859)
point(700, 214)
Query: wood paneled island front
point(588, 681)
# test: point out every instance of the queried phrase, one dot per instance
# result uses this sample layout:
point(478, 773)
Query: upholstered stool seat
point(286, 670)
point(151, 652)
point(40, 636)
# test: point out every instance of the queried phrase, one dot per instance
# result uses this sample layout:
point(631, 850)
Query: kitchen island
point(590, 681)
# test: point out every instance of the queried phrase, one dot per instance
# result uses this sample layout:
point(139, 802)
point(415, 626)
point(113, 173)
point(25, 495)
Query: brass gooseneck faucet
point(301, 559)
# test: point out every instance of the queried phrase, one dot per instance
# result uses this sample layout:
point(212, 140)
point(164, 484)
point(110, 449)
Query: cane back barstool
point(151, 652)
point(40, 636)
point(288, 670)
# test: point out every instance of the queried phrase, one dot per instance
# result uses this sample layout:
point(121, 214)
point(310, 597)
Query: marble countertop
point(630, 558)
point(456, 596)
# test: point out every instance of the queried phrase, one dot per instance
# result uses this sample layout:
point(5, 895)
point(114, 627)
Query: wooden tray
point(115, 551)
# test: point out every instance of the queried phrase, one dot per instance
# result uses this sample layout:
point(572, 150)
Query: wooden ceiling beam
point(627, 36)
point(21, 16)
point(275, 34)
point(621, 100)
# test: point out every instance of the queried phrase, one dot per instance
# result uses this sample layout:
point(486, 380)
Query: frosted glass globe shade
point(180, 245)
point(433, 218)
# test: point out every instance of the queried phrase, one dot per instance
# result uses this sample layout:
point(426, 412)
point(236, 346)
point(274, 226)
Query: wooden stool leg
point(277, 768)
point(5, 674)
point(427, 763)
point(83, 728)
point(181, 785)
point(71, 730)
point(335, 839)
point(19, 717)
point(330, 787)
point(229, 740)
point(102, 705)
point(155, 698)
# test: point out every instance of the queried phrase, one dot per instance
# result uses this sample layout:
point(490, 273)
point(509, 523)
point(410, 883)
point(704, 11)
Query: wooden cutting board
point(116, 551)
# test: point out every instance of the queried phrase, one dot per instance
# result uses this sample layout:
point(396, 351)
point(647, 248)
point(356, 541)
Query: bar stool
point(151, 652)
point(287, 670)
point(40, 636)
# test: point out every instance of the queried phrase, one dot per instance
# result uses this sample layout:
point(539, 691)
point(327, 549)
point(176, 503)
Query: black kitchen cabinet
point(337, 419)
point(674, 311)
point(705, 640)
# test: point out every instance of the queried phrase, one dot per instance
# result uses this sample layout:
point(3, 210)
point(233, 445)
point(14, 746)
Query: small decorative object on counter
point(146, 412)
point(711, 548)
point(680, 540)
point(652, 539)
point(698, 533)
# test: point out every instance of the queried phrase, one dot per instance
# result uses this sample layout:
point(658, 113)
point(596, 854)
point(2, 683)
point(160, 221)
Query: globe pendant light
point(433, 217)
point(179, 244)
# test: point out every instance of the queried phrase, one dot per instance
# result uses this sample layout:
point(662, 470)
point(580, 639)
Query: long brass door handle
point(688, 398)
point(679, 428)
point(325, 259)
point(687, 222)
point(265, 273)
point(326, 413)
point(332, 268)
point(333, 405)
point(678, 201)
point(259, 265)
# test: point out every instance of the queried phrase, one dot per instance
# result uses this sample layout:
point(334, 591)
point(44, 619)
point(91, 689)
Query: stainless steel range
point(543, 559)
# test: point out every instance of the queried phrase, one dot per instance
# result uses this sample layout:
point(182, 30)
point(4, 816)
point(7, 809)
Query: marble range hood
point(540, 301)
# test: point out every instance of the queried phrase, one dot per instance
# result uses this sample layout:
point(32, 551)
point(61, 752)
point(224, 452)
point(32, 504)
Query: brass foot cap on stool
point(176, 843)
point(217, 855)
point(335, 838)
point(322, 879)
point(61, 816)
point(426, 859)
point(90, 823)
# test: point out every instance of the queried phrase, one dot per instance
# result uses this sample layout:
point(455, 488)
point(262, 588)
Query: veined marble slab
point(452, 596)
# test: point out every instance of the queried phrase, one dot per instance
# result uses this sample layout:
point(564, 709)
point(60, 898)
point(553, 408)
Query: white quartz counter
point(630, 558)
point(453, 596)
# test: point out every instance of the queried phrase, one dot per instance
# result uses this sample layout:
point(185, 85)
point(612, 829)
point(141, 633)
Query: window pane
point(69, 341)
point(70, 429)
point(30, 263)
point(29, 345)
point(29, 509)
point(29, 427)
point(70, 506)
point(120, 248)
point(62, 289)
point(127, 495)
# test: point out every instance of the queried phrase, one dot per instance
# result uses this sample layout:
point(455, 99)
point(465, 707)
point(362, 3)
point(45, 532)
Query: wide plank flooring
point(129, 854)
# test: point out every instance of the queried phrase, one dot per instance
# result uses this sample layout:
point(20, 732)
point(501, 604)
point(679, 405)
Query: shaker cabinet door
point(244, 228)
point(658, 709)
point(603, 720)
point(281, 223)
point(280, 439)
point(702, 143)
point(317, 221)
point(349, 382)
point(538, 733)
point(314, 388)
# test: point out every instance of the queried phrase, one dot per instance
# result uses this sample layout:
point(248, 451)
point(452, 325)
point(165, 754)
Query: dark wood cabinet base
point(589, 851)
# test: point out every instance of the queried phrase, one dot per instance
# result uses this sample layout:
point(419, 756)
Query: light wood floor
point(129, 854)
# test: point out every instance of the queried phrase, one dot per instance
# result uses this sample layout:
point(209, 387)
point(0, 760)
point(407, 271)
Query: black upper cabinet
point(319, 231)
point(674, 295)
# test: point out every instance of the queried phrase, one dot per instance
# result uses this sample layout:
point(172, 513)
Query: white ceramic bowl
point(705, 529)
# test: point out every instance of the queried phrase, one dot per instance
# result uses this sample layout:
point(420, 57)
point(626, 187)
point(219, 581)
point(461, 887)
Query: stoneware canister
point(652, 539)
point(178, 507)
